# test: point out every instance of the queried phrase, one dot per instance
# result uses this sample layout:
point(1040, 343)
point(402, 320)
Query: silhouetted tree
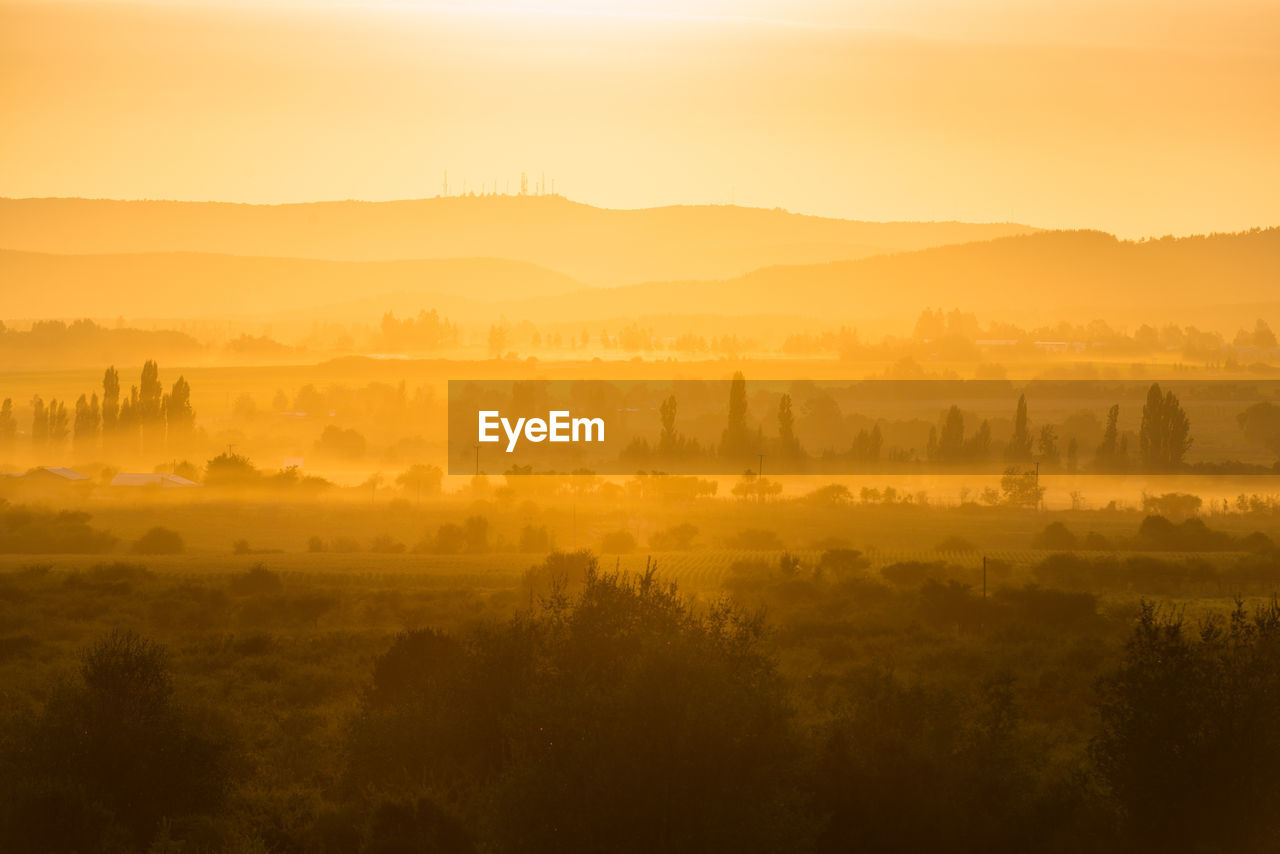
point(476, 534)
point(1021, 488)
point(1261, 424)
point(620, 716)
point(735, 443)
point(1048, 445)
point(1107, 457)
point(788, 446)
point(951, 437)
point(1019, 447)
point(87, 424)
point(39, 423)
point(1190, 739)
point(978, 446)
point(668, 439)
point(421, 480)
point(110, 401)
point(1165, 435)
point(867, 445)
point(179, 416)
point(148, 410)
point(59, 424)
point(8, 426)
point(230, 469)
point(111, 756)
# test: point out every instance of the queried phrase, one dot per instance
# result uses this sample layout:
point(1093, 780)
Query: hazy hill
point(1080, 273)
point(185, 284)
point(1048, 270)
point(595, 245)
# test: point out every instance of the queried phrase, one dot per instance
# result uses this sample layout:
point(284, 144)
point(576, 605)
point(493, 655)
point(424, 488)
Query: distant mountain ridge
point(1030, 272)
point(1046, 271)
point(598, 246)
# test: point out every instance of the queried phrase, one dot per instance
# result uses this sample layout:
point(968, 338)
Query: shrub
point(559, 572)
point(911, 573)
point(111, 758)
point(385, 544)
point(33, 530)
point(256, 581)
point(1072, 572)
point(337, 442)
point(755, 539)
point(159, 541)
point(842, 561)
point(618, 543)
point(676, 538)
point(956, 543)
point(1095, 542)
point(1190, 740)
point(1054, 537)
point(623, 706)
point(344, 545)
point(534, 539)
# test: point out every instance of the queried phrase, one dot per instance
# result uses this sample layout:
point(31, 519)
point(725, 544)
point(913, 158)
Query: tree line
point(147, 418)
point(1163, 438)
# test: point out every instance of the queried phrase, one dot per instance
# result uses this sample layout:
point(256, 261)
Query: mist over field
point(876, 460)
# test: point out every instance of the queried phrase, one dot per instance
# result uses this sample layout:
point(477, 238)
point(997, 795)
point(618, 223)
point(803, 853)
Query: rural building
point(163, 481)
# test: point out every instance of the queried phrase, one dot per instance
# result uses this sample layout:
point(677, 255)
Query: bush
point(337, 442)
point(1157, 532)
point(1055, 537)
point(618, 543)
point(676, 538)
point(912, 573)
point(955, 544)
point(385, 544)
point(159, 541)
point(1072, 572)
point(534, 539)
point(842, 561)
point(1056, 609)
point(559, 572)
point(1095, 542)
point(755, 539)
point(344, 545)
point(621, 707)
point(256, 581)
point(1190, 740)
point(33, 530)
point(111, 759)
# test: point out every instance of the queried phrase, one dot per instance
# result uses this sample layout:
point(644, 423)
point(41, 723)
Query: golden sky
point(1135, 117)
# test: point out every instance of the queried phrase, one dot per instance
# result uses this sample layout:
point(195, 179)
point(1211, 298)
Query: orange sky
point(1135, 117)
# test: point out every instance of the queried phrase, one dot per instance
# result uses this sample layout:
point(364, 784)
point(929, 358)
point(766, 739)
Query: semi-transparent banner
point(779, 427)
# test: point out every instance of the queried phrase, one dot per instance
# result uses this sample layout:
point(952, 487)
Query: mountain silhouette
point(594, 245)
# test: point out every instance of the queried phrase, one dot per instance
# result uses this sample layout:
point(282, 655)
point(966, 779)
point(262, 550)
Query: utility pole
point(760, 480)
